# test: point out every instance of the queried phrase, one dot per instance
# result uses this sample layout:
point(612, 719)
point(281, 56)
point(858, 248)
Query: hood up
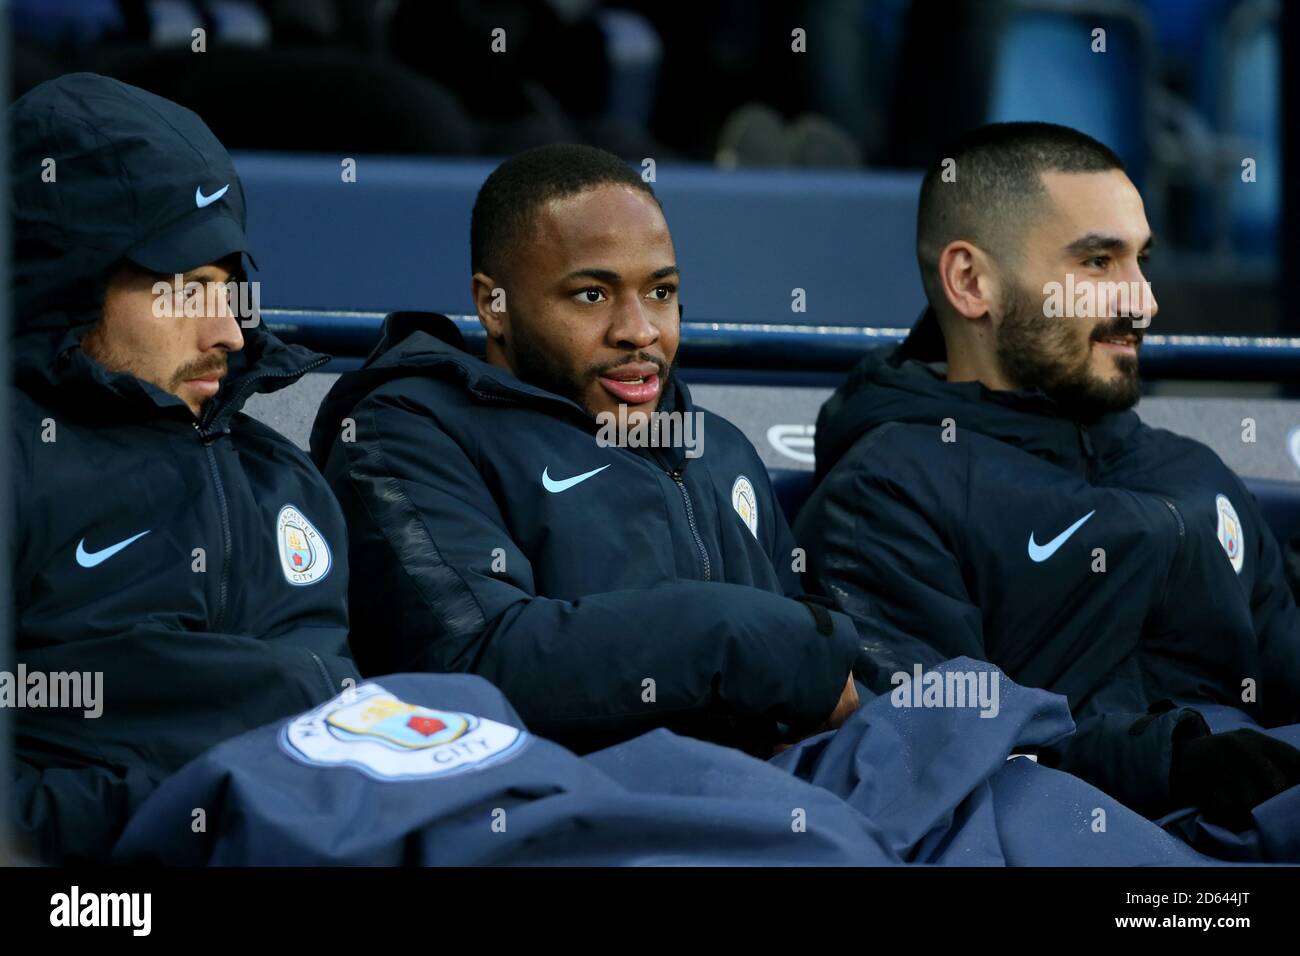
point(103, 172)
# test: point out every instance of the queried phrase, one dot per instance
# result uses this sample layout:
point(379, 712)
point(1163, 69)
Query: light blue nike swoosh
point(88, 559)
point(201, 200)
point(553, 486)
point(1041, 552)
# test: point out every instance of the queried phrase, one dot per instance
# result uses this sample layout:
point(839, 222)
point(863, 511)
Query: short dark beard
point(96, 345)
point(531, 363)
point(1038, 351)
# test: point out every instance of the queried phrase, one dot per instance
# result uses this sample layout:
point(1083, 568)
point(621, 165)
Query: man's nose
point(1143, 306)
point(220, 328)
point(632, 326)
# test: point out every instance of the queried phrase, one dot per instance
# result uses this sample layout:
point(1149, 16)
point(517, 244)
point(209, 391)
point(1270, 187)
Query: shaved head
point(987, 188)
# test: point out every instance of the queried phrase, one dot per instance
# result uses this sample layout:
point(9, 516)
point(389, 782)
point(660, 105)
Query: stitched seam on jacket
point(462, 596)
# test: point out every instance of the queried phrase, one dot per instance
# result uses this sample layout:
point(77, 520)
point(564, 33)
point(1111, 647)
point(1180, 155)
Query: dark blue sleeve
point(66, 815)
point(1277, 626)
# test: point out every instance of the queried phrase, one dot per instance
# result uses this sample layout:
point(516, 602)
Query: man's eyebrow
point(603, 275)
point(1096, 242)
point(612, 277)
point(204, 273)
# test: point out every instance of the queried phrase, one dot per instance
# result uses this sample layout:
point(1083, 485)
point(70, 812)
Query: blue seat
point(1280, 503)
point(1251, 114)
point(1045, 69)
point(793, 488)
point(745, 239)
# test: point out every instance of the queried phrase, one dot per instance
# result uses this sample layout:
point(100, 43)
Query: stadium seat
point(746, 239)
point(1104, 94)
point(1250, 116)
point(778, 421)
point(793, 488)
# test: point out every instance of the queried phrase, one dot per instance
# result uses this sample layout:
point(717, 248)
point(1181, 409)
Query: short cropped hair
point(509, 198)
point(997, 189)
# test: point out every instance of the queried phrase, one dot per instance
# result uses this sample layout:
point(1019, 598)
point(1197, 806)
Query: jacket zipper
point(207, 439)
point(1090, 459)
point(1178, 549)
point(325, 674)
point(246, 386)
point(1182, 530)
point(676, 475)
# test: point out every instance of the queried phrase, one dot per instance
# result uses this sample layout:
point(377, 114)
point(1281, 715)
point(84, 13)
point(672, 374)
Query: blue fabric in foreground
point(1275, 837)
point(894, 784)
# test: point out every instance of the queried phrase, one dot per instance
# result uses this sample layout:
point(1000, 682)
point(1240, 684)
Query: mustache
point(202, 367)
point(655, 360)
point(1120, 325)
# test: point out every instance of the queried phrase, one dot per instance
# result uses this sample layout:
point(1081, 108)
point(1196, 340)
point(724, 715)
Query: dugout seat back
point(780, 422)
point(769, 246)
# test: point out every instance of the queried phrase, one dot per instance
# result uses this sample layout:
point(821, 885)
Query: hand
point(1227, 775)
point(844, 708)
point(847, 704)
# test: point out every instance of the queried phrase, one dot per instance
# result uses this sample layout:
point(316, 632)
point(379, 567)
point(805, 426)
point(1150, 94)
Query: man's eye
point(590, 296)
point(663, 292)
point(1097, 262)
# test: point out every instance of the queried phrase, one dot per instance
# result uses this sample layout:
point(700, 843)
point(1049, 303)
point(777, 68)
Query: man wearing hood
point(497, 527)
point(179, 563)
point(1010, 506)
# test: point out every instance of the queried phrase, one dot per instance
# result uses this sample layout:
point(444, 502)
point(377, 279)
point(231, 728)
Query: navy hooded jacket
point(1123, 566)
point(163, 552)
point(633, 599)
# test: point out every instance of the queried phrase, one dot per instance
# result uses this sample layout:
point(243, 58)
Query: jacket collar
point(71, 378)
point(428, 340)
point(429, 344)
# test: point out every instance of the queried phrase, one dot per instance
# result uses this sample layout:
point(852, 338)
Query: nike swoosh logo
point(201, 200)
point(1041, 552)
point(88, 559)
point(555, 487)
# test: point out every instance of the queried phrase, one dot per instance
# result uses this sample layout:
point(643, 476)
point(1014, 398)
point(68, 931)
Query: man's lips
point(633, 384)
point(207, 385)
point(1123, 343)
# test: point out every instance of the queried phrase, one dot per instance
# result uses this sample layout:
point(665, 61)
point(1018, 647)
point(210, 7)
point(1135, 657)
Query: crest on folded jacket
point(369, 729)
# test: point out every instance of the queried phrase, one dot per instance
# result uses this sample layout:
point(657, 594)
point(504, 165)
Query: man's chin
point(628, 412)
point(1098, 397)
point(1111, 364)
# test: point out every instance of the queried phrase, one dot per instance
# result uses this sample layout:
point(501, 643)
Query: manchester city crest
point(745, 502)
point(1230, 533)
point(369, 729)
point(304, 554)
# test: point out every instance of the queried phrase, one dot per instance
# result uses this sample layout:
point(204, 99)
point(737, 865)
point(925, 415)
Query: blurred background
point(821, 145)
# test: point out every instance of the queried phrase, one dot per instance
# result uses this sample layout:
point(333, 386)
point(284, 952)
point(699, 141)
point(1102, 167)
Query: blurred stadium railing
point(770, 380)
point(773, 354)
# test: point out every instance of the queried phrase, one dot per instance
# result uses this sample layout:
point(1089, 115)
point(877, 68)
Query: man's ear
point(970, 283)
point(490, 303)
